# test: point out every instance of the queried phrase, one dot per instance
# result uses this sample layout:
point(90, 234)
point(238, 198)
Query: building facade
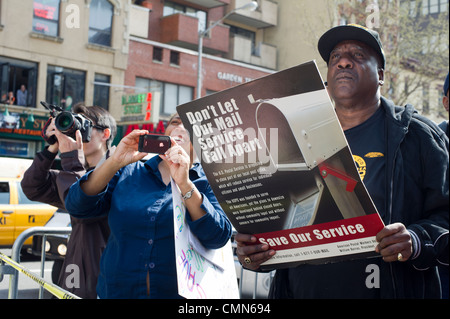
point(59, 51)
point(414, 33)
point(164, 54)
point(138, 59)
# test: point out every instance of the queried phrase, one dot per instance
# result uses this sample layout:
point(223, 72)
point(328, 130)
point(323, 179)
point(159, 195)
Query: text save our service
point(313, 236)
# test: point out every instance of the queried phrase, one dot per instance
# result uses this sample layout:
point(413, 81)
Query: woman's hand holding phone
point(127, 151)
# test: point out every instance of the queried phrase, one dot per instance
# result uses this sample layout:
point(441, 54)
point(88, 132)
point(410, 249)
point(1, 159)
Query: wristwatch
point(188, 194)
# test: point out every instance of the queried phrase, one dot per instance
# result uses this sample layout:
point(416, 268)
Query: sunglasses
point(98, 127)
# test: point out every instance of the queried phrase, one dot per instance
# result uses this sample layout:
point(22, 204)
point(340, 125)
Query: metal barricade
point(254, 285)
point(17, 246)
point(261, 280)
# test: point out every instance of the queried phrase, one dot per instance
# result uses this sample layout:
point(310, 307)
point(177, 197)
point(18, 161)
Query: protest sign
point(278, 162)
point(201, 273)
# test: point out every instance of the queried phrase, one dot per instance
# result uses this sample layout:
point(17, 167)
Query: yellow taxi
point(18, 213)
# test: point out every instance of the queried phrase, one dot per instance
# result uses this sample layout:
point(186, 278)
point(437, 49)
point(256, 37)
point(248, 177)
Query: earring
point(381, 82)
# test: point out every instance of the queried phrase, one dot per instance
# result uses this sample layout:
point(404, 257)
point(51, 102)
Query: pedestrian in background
point(22, 95)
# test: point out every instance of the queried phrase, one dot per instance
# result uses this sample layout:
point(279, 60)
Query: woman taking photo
point(139, 259)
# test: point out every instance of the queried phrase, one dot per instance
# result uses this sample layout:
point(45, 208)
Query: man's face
point(96, 144)
point(353, 72)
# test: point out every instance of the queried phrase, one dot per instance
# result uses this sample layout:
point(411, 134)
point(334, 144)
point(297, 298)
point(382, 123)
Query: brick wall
point(217, 75)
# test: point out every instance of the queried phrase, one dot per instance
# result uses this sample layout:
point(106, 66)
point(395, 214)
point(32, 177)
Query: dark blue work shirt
point(141, 243)
point(367, 142)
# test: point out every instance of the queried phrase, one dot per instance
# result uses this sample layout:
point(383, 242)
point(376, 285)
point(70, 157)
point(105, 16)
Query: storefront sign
point(140, 108)
point(15, 124)
point(159, 128)
point(232, 77)
point(14, 148)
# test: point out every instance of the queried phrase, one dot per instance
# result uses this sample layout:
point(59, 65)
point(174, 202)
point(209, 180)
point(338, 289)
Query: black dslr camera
point(67, 123)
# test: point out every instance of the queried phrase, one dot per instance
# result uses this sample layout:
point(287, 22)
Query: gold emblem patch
point(360, 166)
point(374, 154)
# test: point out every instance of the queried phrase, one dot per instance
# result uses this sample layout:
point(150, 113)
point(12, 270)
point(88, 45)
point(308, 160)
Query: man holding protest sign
point(406, 173)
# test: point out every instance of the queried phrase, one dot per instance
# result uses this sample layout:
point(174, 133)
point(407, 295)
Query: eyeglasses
point(98, 127)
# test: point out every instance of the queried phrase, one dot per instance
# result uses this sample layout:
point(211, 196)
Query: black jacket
point(88, 237)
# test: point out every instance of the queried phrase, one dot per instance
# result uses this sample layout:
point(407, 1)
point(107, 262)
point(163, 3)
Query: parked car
point(18, 213)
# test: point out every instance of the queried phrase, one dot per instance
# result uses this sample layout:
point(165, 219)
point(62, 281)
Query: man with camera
point(83, 138)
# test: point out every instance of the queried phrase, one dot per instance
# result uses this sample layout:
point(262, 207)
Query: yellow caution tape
point(52, 288)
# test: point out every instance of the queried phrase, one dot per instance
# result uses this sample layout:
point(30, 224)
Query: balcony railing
point(139, 21)
point(209, 3)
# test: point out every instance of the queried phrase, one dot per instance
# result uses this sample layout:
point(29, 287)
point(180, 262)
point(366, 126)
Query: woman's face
point(175, 129)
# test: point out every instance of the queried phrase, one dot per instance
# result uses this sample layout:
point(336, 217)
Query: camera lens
point(66, 123)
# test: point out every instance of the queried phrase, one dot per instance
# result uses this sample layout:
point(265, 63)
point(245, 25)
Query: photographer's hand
point(68, 144)
point(50, 131)
point(63, 142)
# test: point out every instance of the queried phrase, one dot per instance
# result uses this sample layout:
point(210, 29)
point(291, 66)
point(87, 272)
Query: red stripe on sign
point(331, 232)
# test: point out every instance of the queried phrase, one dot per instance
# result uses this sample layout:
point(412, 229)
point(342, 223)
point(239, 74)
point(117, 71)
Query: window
point(443, 5)
point(46, 17)
point(100, 22)
point(65, 87)
point(174, 8)
point(157, 54)
point(170, 98)
point(101, 92)
point(174, 58)
point(172, 94)
point(434, 6)
point(18, 75)
point(250, 35)
point(4, 193)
